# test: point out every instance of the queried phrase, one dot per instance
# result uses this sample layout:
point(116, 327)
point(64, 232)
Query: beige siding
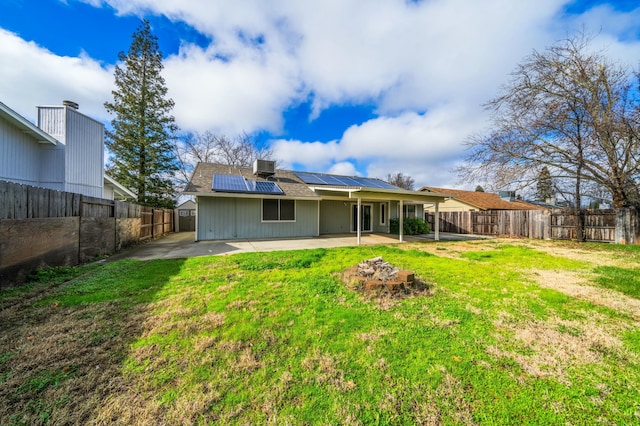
point(451, 206)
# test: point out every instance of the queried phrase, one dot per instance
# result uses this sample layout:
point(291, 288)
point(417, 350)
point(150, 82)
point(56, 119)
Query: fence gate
point(484, 223)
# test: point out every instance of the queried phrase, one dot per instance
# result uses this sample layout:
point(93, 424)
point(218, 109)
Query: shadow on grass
point(62, 348)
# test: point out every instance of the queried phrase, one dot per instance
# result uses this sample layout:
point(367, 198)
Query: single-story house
point(64, 151)
point(264, 202)
point(477, 201)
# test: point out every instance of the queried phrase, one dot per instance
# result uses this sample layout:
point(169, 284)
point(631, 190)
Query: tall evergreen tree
point(141, 141)
point(544, 186)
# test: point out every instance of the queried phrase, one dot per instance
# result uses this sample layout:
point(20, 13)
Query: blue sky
point(342, 86)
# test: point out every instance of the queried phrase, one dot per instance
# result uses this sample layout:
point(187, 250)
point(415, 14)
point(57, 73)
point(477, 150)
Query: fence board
point(42, 218)
point(600, 225)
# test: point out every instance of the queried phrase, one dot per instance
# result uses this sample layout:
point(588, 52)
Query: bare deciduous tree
point(568, 109)
point(401, 181)
point(208, 147)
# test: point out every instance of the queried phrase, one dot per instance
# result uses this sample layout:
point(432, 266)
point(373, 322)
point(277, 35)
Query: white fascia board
point(119, 186)
point(26, 126)
point(247, 195)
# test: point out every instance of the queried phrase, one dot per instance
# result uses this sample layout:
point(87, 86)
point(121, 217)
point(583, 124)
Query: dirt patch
point(62, 362)
point(548, 348)
point(577, 285)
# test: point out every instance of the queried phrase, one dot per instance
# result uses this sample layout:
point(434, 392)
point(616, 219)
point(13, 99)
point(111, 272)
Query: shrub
point(410, 226)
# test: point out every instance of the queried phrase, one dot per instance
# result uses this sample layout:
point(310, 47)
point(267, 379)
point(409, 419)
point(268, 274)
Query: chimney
point(70, 104)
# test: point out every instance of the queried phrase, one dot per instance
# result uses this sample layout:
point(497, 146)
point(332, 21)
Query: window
point(383, 214)
point(409, 210)
point(278, 210)
point(184, 212)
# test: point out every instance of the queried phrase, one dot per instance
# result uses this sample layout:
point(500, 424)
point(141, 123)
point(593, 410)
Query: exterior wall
point(335, 217)
point(18, 153)
point(83, 155)
point(451, 206)
point(231, 218)
point(51, 164)
point(376, 225)
point(107, 193)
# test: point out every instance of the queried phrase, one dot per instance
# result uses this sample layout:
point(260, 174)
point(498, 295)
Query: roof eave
point(119, 187)
point(26, 126)
point(246, 195)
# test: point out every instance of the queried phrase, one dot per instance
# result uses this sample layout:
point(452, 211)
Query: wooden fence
point(620, 226)
point(46, 227)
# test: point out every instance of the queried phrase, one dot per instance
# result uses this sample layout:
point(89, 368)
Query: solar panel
point(267, 188)
point(237, 183)
point(323, 179)
point(229, 183)
point(310, 178)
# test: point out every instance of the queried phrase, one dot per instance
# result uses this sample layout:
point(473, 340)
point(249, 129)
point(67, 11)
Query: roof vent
point(71, 104)
point(264, 168)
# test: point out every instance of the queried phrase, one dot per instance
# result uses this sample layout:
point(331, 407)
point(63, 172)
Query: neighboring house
point(113, 190)
point(64, 151)
point(262, 202)
point(185, 217)
point(477, 201)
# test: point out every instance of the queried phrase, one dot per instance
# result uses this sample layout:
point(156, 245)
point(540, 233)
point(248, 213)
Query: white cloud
point(245, 94)
point(345, 168)
point(426, 67)
point(423, 146)
point(32, 76)
point(315, 156)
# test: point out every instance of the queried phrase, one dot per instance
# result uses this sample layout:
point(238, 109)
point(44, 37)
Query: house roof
point(484, 200)
point(26, 126)
point(118, 189)
point(202, 180)
point(187, 205)
point(292, 185)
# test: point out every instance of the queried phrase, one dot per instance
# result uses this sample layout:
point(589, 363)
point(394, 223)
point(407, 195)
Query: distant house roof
point(26, 126)
point(187, 205)
point(484, 200)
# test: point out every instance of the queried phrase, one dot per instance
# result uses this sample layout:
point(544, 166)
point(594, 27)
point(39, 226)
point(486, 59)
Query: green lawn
point(506, 332)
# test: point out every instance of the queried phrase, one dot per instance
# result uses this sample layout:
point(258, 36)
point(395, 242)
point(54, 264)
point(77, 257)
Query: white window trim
point(371, 222)
point(385, 216)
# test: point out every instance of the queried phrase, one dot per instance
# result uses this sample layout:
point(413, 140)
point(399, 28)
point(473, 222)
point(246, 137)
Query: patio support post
point(400, 231)
point(436, 222)
point(359, 219)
